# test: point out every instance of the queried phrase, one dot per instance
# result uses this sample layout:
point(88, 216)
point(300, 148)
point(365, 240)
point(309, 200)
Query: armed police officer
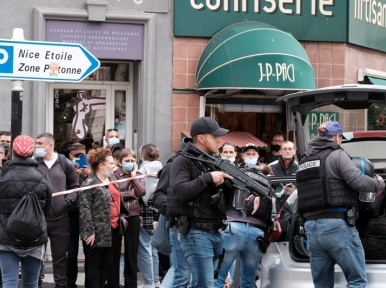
point(194, 185)
point(328, 185)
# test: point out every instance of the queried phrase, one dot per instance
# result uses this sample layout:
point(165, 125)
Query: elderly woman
point(99, 217)
point(21, 176)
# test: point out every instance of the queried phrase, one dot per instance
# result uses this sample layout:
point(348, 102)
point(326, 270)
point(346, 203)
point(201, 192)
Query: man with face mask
point(61, 172)
point(112, 138)
point(277, 139)
point(250, 156)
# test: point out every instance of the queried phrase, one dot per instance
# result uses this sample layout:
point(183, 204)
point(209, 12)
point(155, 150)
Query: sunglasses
point(113, 129)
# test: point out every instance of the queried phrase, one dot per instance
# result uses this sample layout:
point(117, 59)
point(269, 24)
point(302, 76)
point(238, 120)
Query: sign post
point(17, 98)
point(17, 109)
point(40, 61)
point(45, 61)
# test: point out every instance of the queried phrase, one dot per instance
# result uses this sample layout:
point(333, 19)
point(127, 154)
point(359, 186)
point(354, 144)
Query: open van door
point(347, 97)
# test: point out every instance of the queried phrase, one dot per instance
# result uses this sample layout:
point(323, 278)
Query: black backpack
point(26, 222)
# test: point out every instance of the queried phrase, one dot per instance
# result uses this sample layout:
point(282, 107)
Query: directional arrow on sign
point(45, 61)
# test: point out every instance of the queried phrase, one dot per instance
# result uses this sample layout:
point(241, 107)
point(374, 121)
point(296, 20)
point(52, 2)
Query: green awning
point(377, 81)
point(254, 55)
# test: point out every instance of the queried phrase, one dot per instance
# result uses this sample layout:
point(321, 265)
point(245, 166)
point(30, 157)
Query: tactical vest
point(199, 207)
point(175, 209)
point(264, 211)
point(316, 191)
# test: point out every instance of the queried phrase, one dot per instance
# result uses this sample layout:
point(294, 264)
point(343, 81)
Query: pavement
point(48, 281)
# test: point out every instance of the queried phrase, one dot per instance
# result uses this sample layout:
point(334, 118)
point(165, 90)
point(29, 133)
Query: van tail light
point(276, 231)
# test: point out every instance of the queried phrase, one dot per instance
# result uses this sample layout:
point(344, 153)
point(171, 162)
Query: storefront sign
point(307, 20)
point(103, 40)
point(316, 118)
point(367, 23)
point(312, 20)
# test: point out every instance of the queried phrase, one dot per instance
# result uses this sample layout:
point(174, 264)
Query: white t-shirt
point(49, 163)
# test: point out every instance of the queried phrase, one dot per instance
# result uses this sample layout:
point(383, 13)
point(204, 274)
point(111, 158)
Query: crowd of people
point(120, 196)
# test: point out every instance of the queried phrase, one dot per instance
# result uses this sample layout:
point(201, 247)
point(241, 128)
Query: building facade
point(344, 42)
point(166, 62)
point(131, 91)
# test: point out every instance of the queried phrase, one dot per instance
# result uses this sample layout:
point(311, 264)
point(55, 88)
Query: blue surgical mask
point(113, 141)
point(128, 166)
point(40, 152)
point(250, 161)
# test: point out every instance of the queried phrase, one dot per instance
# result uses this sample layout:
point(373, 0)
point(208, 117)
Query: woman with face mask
point(228, 152)
point(131, 191)
point(100, 210)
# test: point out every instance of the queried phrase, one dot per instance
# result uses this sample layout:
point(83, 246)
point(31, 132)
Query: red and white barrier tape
point(102, 184)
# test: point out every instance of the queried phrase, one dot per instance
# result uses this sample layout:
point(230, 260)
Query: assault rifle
point(258, 186)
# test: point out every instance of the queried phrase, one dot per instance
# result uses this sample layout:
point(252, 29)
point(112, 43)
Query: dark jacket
point(279, 169)
point(131, 191)
point(190, 183)
point(262, 217)
point(60, 182)
point(160, 197)
point(339, 166)
point(22, 176)
point(269, 157)
point(95, 216)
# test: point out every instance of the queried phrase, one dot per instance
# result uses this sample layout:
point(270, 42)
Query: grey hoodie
point(340, 166)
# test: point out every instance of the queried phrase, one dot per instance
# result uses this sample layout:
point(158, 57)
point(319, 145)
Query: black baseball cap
point(250, 146)
point(207, 125)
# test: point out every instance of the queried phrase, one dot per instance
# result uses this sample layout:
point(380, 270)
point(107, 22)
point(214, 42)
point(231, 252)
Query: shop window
point(110, 72)
point(79, 116)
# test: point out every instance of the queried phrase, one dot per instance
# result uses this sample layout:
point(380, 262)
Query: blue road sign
point(45, 61)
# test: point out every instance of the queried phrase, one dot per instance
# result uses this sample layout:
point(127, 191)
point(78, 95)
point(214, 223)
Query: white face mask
point(113, 141)
point(40, 152)
point(250, 161)
point(232, 160)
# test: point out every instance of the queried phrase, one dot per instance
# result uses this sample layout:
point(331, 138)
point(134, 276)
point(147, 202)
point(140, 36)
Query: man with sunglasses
point(112, 137)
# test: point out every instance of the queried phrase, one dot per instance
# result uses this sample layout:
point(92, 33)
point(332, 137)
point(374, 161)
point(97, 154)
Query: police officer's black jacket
point(22, 177)
point(338, 168)
point(189, 183)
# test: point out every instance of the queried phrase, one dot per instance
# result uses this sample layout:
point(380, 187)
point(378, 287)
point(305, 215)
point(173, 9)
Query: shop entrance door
point(83, 112)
